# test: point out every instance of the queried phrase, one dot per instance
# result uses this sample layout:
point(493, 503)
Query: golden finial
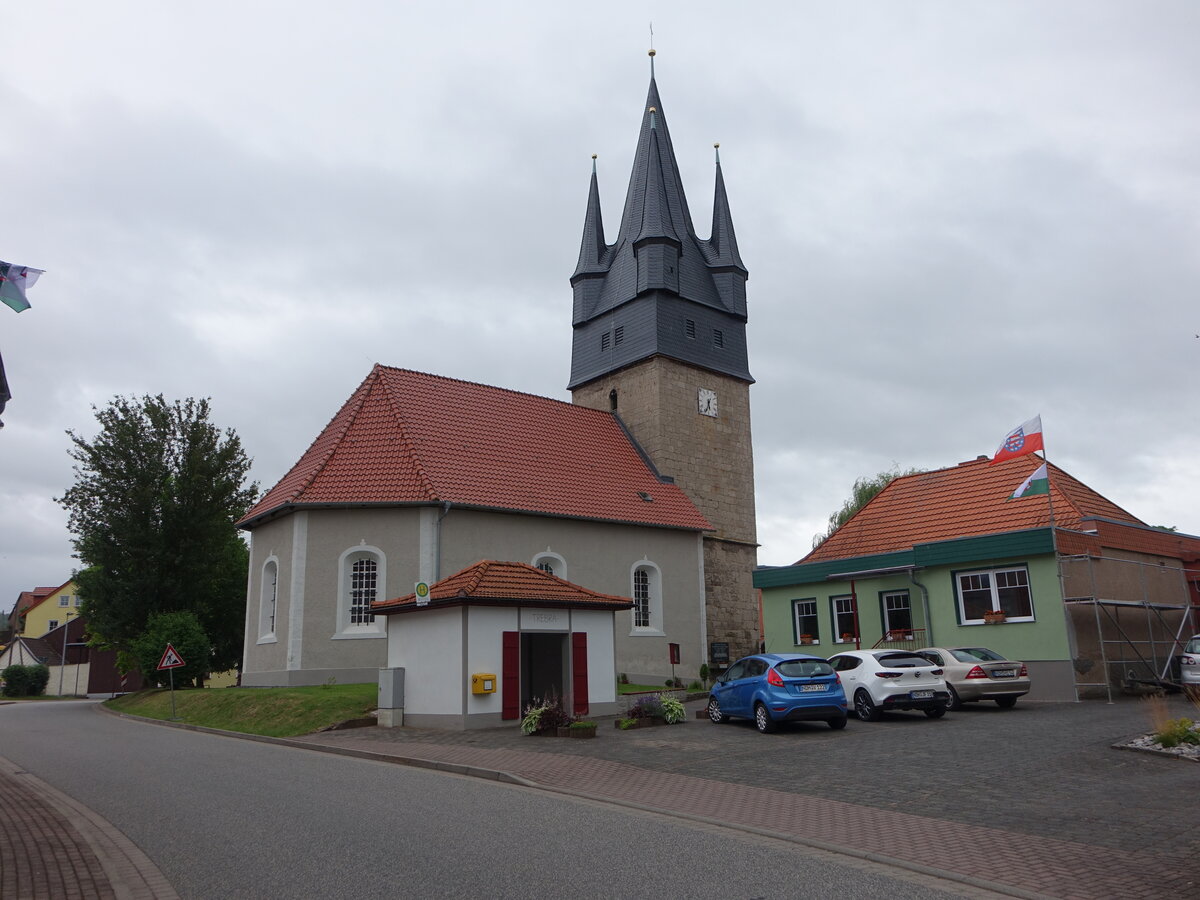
point(652, 52)
point(716, 146)
point(652, 109)
point(593, 156)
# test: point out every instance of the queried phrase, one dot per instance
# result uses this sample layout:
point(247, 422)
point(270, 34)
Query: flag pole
point(1049, 485)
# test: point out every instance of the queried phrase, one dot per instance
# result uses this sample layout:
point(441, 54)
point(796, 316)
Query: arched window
point(268, 600)
point(364, 589)
point(647, 598)
point(551, 563)
point(361, 582)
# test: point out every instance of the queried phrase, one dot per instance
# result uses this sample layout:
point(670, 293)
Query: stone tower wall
point(711, 459)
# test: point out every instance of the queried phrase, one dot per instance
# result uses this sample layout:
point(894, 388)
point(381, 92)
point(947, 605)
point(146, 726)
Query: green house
point(1086, 594)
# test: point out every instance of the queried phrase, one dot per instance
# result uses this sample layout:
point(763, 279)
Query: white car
point(876, 681)
point(1189, 662)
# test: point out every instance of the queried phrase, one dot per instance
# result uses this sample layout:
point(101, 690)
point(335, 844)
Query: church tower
point(659, 339)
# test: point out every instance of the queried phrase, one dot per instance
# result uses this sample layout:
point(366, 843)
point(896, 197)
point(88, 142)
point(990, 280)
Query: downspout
point(912, 576)
point(437, 543)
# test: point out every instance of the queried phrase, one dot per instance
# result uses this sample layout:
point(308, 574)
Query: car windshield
point(902, 661)
point(803, 668)
point(1193, 646)
point(977, 654)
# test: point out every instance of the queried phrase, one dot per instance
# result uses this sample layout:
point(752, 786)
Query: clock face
point(706, 402)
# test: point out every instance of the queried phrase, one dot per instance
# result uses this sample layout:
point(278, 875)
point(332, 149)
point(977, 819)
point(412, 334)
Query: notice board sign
point(718, 653)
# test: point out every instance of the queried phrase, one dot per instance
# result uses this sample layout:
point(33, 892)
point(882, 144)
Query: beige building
point(419, 476)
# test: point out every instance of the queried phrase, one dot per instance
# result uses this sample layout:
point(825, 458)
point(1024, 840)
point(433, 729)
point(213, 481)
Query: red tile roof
point(27, 600)
point(506, 583)
point(409, 438)
point(967, 500)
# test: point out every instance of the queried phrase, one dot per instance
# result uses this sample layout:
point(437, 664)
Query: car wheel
point(762, 719)
point(1006, 702)
point(714, 712)
point(864, 707)
point(954, 702)
point(936, 713)
point(837, 724)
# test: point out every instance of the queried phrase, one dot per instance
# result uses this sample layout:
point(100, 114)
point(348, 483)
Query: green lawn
point(276, 712)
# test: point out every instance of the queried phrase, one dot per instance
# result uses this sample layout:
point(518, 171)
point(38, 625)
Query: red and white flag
point(1021, 440)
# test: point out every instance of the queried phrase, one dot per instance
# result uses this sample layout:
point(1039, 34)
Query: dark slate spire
point(592, 250)
point(658, 271)
point(723, 243)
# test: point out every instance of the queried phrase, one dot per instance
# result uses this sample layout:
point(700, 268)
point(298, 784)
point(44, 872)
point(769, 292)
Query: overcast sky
point(956, 215)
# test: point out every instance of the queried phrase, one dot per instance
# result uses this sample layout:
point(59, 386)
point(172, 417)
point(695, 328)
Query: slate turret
point(658, 289)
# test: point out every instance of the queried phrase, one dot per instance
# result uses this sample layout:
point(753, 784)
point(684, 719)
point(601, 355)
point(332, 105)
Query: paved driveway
point(1039, 787)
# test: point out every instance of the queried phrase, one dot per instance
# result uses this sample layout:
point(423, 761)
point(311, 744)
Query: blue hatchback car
point(774, 687)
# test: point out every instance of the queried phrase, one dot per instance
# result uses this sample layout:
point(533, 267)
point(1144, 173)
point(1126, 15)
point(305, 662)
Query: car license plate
point(1003, 673)
point(814, 687)
point(922, 695)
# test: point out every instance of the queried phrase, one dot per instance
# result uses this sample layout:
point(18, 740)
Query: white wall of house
point(440, 649)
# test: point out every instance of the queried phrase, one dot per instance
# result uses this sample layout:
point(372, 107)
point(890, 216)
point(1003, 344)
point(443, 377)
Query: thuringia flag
point(1038, 482)
point(1021, 440)
point(13, 282)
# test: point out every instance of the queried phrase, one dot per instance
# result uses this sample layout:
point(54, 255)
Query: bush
point(16, 681)
point(39, 677)
point(25, 681)
point(183, 632)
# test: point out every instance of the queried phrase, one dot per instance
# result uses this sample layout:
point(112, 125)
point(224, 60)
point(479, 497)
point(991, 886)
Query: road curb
point(130, 872)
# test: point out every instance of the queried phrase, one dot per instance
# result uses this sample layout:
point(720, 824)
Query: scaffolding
point(1133, 621)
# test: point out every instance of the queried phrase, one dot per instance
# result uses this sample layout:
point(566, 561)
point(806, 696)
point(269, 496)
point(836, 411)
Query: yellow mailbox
point(483, 684)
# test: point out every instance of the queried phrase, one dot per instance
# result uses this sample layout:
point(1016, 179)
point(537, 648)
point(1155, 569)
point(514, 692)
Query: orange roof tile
point(406, 437)
point(967, 500)
point(503, 583)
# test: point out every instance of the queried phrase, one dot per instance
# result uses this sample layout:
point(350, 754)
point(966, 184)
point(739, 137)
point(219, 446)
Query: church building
point(641, 488)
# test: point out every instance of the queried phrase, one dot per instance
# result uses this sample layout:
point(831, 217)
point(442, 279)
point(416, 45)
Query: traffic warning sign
point(170, 659)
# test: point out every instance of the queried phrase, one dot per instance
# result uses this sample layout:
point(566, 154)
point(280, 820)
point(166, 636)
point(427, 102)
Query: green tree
point(183, 632)
point(861, 494)
point(152, 514)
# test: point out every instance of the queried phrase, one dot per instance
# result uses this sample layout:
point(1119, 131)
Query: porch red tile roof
point(966, 500)
point(406, 437)
point(505, 583)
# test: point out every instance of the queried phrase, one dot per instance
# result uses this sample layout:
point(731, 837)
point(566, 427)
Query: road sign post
point(171, 660)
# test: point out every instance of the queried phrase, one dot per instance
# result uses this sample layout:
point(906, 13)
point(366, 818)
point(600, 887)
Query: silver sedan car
point(976, 673)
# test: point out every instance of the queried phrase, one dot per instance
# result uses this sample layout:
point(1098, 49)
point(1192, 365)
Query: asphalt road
point(226, 818)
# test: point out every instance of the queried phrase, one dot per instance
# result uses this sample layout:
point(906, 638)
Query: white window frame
point(888, 627)
point(651, 604)
point(994, 591)
point(51, 625)
point(848, 601)
point(268, 601)
point(64, 600)
point(554, 560)
point(377, 627)
point(814, 613)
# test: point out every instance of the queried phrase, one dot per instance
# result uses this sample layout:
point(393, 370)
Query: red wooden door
point(510, 676)
point(579, 672)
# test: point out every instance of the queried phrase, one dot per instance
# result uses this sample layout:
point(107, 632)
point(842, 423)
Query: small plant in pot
point(544, 716)
point(582, 729)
